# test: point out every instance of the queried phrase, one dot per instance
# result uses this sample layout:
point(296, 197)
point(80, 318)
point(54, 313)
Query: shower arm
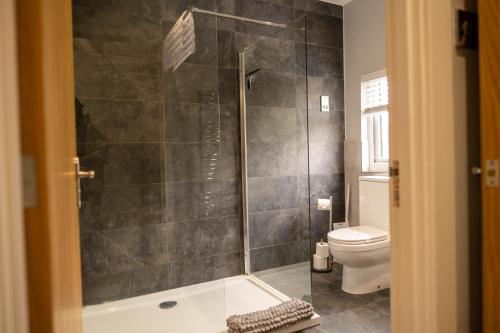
point(238, 18)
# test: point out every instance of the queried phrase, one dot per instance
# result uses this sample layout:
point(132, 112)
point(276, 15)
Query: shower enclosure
point(202, 174)
point(274, 159)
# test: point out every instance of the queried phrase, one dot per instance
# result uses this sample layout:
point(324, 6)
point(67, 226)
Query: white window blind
point(375, 122)
point(375, 94)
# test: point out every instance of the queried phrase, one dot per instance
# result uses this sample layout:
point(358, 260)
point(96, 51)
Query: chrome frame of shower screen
point(244, 172)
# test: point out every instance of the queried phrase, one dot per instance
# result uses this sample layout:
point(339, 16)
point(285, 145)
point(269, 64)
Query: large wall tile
point(266, 53)
point(274, 256)
point(272, 159)
point(272, 193)
point(101, 256)
point(95, 221)
point(231, 198)
point(105, 288)
point(272, 228)
point(194, 271)
point(226, 7)
point(191, 84)
point(305, 250)
point(326, 158)
point(144, 8)
point(320, 86)
point(115, 121)
point(193, 200)
point(322, 186)
point(321, 61)
point(219, 236)
point(227, 56)
point(329, 127)
point(304, 223)
point(148, 280)
point(192, 162)
point(324, 30)
point(273, 90)
point(111, 77)
point(229, 123)
point(301, 99)
point(230, 160)
point(200, 238)
point(270, 125)
point(228, 87)
point(192, 123)
point(116, 33)
point(318, 7)
point(265, 11)
point(121, 164)
point(140, 244)
point(123, 199)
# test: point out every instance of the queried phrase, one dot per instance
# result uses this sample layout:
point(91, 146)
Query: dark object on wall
point(467, 37)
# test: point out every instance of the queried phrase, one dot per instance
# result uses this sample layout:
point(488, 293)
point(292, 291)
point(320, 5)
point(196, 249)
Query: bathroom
point(215, 182)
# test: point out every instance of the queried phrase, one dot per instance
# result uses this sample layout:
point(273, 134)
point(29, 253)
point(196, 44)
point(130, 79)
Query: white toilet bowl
point(364, 251)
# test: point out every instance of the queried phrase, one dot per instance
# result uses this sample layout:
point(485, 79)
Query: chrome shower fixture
point(251, 77)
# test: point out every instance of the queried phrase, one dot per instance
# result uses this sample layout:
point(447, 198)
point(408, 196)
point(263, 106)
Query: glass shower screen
point(274, 152)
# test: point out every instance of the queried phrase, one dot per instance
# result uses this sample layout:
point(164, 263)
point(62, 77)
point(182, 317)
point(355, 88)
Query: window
point(375, 122)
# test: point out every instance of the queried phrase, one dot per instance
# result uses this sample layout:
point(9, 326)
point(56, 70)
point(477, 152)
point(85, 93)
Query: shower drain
point(167, 304)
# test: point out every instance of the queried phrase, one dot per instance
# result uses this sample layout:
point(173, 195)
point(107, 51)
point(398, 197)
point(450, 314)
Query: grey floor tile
point(345, 313)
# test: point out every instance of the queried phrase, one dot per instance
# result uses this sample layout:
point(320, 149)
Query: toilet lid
point(357, 235)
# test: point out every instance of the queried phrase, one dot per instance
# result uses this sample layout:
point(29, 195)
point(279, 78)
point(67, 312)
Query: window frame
point(370, 131)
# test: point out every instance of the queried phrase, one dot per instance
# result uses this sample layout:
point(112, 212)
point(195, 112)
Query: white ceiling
point(338, 2)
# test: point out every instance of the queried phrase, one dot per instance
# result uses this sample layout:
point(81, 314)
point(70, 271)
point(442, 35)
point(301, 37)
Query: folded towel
point(282, 315)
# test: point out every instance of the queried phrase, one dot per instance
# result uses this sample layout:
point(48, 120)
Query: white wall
point(364, 53)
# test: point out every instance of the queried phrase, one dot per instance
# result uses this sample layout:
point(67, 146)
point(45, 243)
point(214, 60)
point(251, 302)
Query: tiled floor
point(340, 312)
point(345, 313)
point(293, 281)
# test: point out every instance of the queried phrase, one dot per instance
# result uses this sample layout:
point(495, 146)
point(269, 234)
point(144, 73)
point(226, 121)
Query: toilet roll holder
point(329, 259)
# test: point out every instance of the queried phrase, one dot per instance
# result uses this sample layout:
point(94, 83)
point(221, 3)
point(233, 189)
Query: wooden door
point(489, 74)
point(44, 34)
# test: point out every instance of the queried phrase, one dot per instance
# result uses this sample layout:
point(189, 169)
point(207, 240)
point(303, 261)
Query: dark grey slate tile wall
point(278, 114)
point(165, 208)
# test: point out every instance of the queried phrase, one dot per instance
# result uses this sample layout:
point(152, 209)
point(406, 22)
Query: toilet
point(364, 250)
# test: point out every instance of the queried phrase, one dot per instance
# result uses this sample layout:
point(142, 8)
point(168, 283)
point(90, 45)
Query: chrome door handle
point(79, 175)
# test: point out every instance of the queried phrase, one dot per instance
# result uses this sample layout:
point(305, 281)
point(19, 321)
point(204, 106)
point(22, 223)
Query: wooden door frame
point(425, 256)
point(13, 291)
point(429, 258)
point(489, 58)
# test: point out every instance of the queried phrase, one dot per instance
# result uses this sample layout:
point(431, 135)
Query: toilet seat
point(357, 235)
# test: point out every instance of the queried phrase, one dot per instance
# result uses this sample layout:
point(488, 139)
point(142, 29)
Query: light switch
point(325, 103)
